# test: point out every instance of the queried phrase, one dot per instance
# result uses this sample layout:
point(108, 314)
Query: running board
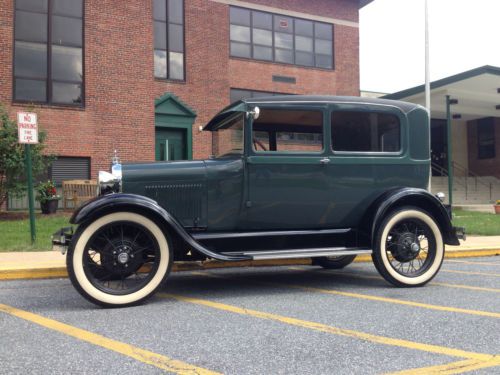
point(301, 253)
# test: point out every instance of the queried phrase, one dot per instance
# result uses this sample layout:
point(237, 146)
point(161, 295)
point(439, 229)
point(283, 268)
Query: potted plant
point(496, 206)
point(47, 196)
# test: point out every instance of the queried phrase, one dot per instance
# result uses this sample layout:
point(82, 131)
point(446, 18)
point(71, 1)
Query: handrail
point(466, 173)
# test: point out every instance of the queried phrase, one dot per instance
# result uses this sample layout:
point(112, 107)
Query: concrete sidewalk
point(50, 264)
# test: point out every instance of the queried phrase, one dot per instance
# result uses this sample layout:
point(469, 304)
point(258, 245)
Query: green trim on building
point(487, 69)
point(172, 113)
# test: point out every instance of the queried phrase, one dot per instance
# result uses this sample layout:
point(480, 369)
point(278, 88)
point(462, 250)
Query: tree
point(12, 158)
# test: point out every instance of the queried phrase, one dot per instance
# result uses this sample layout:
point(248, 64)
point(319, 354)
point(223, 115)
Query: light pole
point(449, 103)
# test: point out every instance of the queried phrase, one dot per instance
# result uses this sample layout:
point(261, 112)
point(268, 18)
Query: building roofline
point(362, 3)
point(486, 69)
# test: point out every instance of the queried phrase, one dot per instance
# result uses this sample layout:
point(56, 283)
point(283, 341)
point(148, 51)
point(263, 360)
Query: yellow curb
point(56, 272)
point(33, 273)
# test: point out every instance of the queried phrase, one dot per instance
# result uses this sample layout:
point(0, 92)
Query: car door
point(286, 174)
point(369, 156)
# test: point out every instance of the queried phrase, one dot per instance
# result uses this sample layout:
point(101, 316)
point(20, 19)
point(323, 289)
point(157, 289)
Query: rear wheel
point(408, 248)
point(119, 259)
point(334, 263)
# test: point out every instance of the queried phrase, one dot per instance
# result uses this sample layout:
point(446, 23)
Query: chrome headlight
point(441, 196)
point(108, 183)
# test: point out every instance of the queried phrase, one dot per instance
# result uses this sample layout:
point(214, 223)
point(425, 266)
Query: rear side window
point(288, 131)
point(365, 132)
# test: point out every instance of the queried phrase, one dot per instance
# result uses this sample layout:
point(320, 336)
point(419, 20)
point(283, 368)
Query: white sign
point(27, 126)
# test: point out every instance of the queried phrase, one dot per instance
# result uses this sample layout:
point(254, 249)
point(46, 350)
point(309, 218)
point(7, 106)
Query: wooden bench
point(78, 191)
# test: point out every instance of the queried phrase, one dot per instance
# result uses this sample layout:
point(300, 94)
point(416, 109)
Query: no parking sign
point(27, 126)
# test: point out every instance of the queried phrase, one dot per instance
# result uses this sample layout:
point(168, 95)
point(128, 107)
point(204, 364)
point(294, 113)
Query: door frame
point(172, 113)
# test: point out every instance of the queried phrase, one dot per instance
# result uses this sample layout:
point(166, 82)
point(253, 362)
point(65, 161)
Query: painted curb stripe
point(60, 271)
point(128, 350)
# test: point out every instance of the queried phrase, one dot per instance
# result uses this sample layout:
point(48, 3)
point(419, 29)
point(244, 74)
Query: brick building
point(142, 76)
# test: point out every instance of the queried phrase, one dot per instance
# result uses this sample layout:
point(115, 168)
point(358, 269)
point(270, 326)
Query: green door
point(170, 144)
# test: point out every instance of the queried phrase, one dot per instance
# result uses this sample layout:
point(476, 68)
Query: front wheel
point(119, 259)
point(408, 248)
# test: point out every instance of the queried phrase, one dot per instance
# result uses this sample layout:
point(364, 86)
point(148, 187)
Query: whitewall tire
point(119, 259)
point(408, 248)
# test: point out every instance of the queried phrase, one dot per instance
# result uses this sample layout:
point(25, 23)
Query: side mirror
point(255, 113)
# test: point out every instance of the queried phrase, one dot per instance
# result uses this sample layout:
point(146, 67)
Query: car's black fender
point(105, 204)
point(399, 197)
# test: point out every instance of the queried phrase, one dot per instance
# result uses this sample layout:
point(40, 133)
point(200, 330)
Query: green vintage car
point(321, 177)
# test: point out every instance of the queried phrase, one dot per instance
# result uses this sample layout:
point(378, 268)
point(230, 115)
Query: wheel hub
point(408, 247)
point(123, 257)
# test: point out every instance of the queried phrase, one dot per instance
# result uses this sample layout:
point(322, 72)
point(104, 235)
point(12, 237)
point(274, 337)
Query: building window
point(238, 94)
point(48, 53)
point(273, 37)
point(486, 138)
point(168, 18)
point(365, 132)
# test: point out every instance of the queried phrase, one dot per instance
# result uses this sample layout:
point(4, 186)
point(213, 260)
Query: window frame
point(49, 81)
point(381, 109)
point(167, 23)
point(273, 44)
point(307, 108)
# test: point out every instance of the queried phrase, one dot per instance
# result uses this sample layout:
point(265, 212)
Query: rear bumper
point(62, 239)
point(459, 232)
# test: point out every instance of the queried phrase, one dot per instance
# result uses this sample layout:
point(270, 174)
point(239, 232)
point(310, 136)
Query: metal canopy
point(476, 90)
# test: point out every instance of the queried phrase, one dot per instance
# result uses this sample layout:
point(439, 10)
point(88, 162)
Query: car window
point(228, 138)
point(365, 132)
point(279, 130)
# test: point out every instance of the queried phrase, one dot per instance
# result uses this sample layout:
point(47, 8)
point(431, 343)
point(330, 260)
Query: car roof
point(240, 105)
point(403, 106)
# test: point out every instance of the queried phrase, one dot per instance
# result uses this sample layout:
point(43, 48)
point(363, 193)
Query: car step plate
point(302, 253)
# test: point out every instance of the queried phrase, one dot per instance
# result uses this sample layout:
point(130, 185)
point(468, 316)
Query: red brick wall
point(120, 87)
point(483, 167)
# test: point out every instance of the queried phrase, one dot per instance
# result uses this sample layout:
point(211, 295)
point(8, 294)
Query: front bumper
point(62, 239)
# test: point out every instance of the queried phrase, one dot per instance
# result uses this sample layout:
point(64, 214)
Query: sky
point(463, 34)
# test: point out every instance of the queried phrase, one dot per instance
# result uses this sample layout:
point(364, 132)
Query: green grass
point(15, 234)
point(477, 223)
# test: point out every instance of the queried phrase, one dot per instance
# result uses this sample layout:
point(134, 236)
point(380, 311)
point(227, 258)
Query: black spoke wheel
point(120, 259)
point(334, 262)
point(408, 249)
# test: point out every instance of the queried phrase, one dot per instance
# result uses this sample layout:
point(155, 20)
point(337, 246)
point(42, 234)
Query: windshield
point(228, 138)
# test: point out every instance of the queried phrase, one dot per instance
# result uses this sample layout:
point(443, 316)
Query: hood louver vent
point(185, 201)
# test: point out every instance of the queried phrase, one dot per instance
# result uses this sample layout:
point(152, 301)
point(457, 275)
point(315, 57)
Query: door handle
point(324, 161)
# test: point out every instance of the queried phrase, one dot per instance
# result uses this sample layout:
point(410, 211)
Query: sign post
point(27, 126)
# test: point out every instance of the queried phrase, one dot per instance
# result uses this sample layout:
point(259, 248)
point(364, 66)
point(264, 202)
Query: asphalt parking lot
point(269, 320)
